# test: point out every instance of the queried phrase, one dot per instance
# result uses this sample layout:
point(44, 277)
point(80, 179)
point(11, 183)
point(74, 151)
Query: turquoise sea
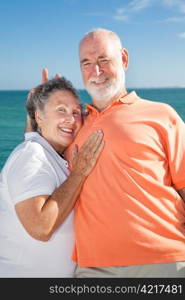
point(13, 113)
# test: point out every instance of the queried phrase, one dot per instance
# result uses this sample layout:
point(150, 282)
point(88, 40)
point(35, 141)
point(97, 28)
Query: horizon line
point(151, 87)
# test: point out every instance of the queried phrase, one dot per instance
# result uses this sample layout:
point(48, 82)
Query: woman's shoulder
point(25, 153)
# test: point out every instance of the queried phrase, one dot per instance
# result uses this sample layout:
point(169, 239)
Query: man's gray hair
point(38, 96)
point(97, 31)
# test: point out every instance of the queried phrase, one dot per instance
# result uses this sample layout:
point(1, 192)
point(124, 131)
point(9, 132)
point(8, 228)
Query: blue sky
point(45, 33)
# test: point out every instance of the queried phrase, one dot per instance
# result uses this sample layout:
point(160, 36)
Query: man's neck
point(101, 105)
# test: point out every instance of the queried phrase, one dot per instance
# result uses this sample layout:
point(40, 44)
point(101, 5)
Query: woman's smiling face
point(60, 120)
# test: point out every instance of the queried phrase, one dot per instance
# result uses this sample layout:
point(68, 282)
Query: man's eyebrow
point(102, 56)
point(84, 60)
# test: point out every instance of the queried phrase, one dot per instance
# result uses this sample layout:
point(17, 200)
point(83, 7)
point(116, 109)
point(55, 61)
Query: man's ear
point(125, 59)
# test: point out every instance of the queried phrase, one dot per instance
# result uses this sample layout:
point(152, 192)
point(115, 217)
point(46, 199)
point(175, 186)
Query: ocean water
point(13, 113)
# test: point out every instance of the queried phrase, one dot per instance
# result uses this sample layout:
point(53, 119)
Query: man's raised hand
point(45, 75)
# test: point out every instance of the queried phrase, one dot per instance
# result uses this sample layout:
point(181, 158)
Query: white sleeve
point(30, 175)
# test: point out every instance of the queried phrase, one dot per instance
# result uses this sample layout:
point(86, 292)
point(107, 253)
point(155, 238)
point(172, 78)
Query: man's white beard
point(108, 90)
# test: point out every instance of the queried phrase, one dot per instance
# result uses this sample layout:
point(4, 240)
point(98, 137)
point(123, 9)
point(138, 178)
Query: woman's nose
point(70, 119)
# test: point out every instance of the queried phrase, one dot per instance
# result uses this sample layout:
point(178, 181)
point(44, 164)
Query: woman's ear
point(38, 118)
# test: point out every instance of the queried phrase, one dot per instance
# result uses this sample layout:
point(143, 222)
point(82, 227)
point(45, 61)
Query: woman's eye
point(77, 113)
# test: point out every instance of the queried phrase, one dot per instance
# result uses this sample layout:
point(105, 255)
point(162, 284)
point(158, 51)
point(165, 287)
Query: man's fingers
point(44, 75)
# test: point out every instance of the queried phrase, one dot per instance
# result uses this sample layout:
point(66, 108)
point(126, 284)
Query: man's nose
point(97, 71)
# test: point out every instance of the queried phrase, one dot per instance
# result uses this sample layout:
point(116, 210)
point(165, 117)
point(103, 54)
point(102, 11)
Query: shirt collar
point(129, 98)
point(34, 136)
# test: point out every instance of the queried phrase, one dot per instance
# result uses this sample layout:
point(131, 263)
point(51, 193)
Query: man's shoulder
point(157, 104)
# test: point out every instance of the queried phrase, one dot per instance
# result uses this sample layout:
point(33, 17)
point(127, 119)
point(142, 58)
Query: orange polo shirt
point(129, 212)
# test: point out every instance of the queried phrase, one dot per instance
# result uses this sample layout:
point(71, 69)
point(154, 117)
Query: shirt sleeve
point(30, 175)
point(176, 149)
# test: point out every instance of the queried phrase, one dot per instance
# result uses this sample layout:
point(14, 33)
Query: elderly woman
point(37, 194)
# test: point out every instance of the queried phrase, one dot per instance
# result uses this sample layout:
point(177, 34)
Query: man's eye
point(103, 61)
point(86, 64)
point(61, 109)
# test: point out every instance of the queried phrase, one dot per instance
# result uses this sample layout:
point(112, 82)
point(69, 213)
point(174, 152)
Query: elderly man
point(130, 215)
